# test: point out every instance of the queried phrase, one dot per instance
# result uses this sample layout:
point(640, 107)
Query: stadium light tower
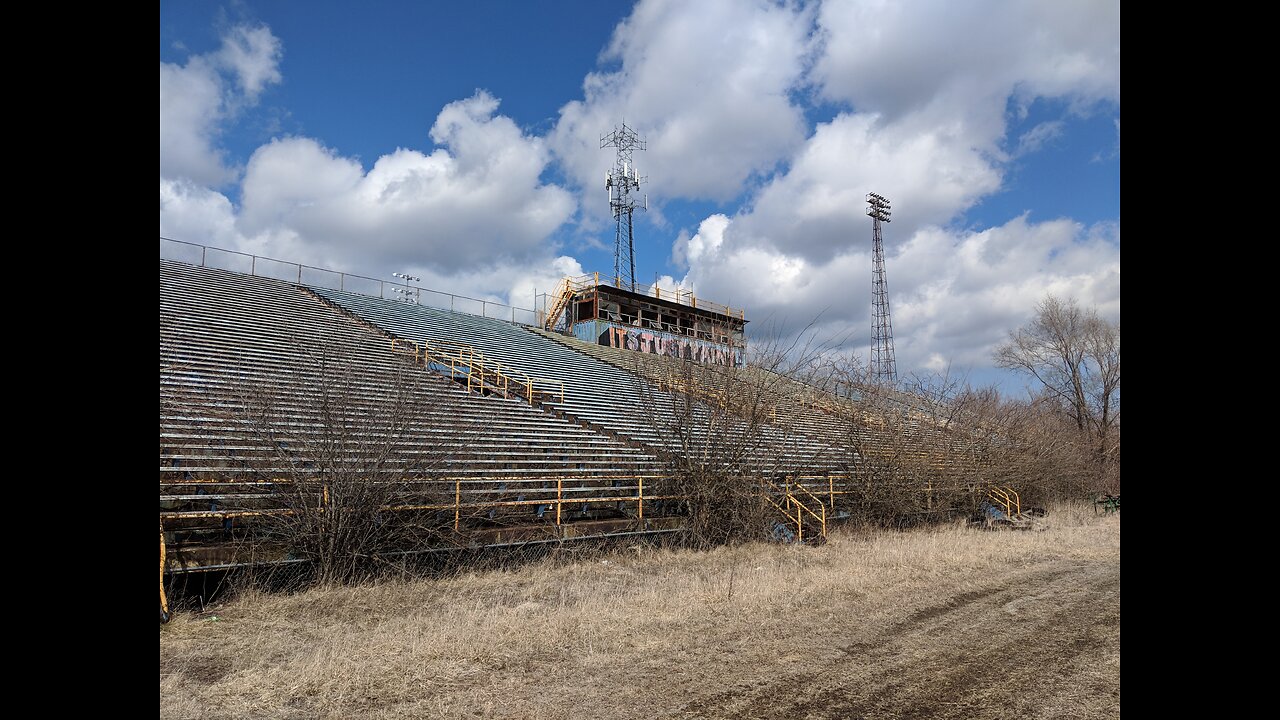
point(619, 182)
point(884, 367)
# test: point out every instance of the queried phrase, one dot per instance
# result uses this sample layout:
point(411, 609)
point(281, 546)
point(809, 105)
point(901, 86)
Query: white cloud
point(953, 293)
point(474, 200)
point(1035, 138)
point(927, 86)
point(471, 217)
point(706, 83)
point(253, 55)
point(817, 209)
point(197, 98)
point(956, 65)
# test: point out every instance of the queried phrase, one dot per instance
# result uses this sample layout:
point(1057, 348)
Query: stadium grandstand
point(486, 425)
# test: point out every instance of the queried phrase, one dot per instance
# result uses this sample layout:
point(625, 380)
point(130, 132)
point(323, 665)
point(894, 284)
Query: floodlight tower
point(884, 368)
point(619, 182)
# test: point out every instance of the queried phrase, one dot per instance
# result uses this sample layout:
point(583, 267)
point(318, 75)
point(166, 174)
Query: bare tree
point(724, 446)
point(1074, 356)
point(350, 452)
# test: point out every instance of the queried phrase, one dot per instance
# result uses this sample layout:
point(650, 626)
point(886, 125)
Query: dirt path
point(1037, 643)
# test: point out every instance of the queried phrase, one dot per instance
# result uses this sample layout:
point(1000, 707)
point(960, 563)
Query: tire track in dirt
point(974, 655)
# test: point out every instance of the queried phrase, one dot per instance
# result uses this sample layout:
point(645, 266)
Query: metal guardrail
point(261, 266)
point(465, 363)
point(1006, 498)
point(678, 296)
point(791, 501)
point(567, 491)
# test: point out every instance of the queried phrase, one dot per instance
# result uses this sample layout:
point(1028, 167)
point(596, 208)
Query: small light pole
point(407, 293)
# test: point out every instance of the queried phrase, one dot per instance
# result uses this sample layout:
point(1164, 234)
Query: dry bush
point(727, 453)
point(342, 446)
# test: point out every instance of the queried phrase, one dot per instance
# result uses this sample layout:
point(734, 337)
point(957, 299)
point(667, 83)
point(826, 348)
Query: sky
point(460, 143)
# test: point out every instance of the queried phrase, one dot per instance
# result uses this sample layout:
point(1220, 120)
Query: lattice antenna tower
point(884, 367)
point(621, 182)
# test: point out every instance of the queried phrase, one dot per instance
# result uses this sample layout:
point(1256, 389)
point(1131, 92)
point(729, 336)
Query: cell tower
point(620, 181)
point(884, 368)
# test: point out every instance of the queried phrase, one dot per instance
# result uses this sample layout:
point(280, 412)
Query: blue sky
point(460, 142)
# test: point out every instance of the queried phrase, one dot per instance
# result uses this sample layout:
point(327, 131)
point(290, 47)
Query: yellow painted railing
point(465, 364)
point(574, 285)
point(491, 491)
point(1006, 498)
point(794, 508)
point(164, 599)
point(564, 293)
point(715, 394)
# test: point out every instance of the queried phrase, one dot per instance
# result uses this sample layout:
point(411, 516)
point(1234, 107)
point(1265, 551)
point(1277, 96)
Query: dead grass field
point(944, 623)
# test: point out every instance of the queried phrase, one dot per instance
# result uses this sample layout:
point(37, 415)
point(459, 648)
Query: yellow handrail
point(1007, 498)
point(164, 599)
point(482, 372)
point(801, 507)
point(563, 294)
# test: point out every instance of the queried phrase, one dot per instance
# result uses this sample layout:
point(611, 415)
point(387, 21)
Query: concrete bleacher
point(233, 346)
point(249, 365)
point(601, 393)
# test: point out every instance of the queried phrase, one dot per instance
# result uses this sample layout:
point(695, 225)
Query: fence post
point(641, 499)
point(559, 497)
point(457, 503)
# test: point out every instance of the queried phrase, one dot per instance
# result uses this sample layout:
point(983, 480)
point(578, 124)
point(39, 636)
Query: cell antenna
point(620, 182)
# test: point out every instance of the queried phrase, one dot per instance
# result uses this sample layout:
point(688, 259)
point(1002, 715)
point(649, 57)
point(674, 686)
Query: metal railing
point(464, 363)
point(794, 508)
point(310, 275)
point(1006, 498)
point(471, 497)
point(678, 296)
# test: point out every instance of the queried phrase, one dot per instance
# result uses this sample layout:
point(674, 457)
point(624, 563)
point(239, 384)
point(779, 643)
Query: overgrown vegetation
point(953, 622)
point(340, 447)
point(1073, 355)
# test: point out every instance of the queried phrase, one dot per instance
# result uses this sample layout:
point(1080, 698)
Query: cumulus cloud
point(926, 89)
point(472, 216)
point(708, 84)
point(198, 97)
point(952, 292)
point(475, 199)
point(956, 65)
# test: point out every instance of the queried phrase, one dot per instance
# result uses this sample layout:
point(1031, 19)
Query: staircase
point(804, 515)
point(1003, 507)
point(469, 367)
point(559, 303)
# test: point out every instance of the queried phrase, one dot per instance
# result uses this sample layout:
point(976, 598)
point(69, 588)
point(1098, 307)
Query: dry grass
point(754, 631)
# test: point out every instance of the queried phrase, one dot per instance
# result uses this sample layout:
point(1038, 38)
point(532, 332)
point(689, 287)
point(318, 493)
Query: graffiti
point(663, 344)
